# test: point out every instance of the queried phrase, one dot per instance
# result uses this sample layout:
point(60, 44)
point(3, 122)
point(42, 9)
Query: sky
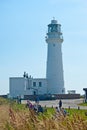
point(23, 27)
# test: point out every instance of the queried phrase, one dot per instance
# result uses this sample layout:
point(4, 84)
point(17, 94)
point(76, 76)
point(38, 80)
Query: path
point(73, 103)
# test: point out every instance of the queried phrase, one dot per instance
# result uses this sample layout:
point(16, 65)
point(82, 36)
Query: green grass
point(50, 111)
point(83, 104)
point(3, 101)
point(82, 113)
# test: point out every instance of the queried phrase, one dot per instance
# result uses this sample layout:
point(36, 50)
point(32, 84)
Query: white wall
point(41, 89)
point(16, 86)
point(20, 86)
point(55, 69)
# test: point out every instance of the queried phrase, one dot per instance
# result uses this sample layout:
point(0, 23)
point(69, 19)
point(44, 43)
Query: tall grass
point(21, 118)
point(28, 120)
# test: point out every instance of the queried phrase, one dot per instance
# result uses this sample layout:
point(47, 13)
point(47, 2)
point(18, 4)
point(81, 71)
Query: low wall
point(3, 96)
point(68, 96)
point(52, 97)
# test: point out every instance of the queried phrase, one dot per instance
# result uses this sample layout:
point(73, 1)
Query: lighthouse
point(53, 84)
point(54, 70)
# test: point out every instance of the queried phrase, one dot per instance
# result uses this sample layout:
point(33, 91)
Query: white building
point(54, 82)
point(20, 86)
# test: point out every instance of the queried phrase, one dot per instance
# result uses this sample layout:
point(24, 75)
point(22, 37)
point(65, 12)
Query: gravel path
point(73, 103)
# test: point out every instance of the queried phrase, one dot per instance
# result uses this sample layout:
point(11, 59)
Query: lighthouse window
point(49, 29)
point(34, 84)
point(40, 84)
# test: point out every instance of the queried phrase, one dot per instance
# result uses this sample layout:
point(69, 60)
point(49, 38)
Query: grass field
point(15, 116)
point(83, 104)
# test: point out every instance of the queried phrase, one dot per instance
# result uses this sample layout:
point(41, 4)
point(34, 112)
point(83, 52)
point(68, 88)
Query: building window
point(34, 84)
point(34, 92)
point(40, 84)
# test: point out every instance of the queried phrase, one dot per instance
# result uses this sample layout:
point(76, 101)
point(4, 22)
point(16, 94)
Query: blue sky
point(23, 27)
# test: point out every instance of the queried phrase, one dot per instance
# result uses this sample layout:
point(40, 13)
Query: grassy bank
point(17, 117)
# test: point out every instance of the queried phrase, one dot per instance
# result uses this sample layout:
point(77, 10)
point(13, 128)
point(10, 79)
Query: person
point(57, 109)
point(60, 104)
point(64, 112)
point(29, 104)
point(40, 109)
point(19, 99)
point(35, 108)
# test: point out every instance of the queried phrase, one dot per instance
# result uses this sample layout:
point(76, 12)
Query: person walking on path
point(60, 104)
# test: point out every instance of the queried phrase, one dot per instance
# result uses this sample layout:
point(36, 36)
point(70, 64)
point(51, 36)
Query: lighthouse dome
point(53, 21)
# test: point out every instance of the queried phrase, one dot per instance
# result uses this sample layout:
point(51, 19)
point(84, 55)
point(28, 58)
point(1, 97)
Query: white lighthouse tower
point(54, 74)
